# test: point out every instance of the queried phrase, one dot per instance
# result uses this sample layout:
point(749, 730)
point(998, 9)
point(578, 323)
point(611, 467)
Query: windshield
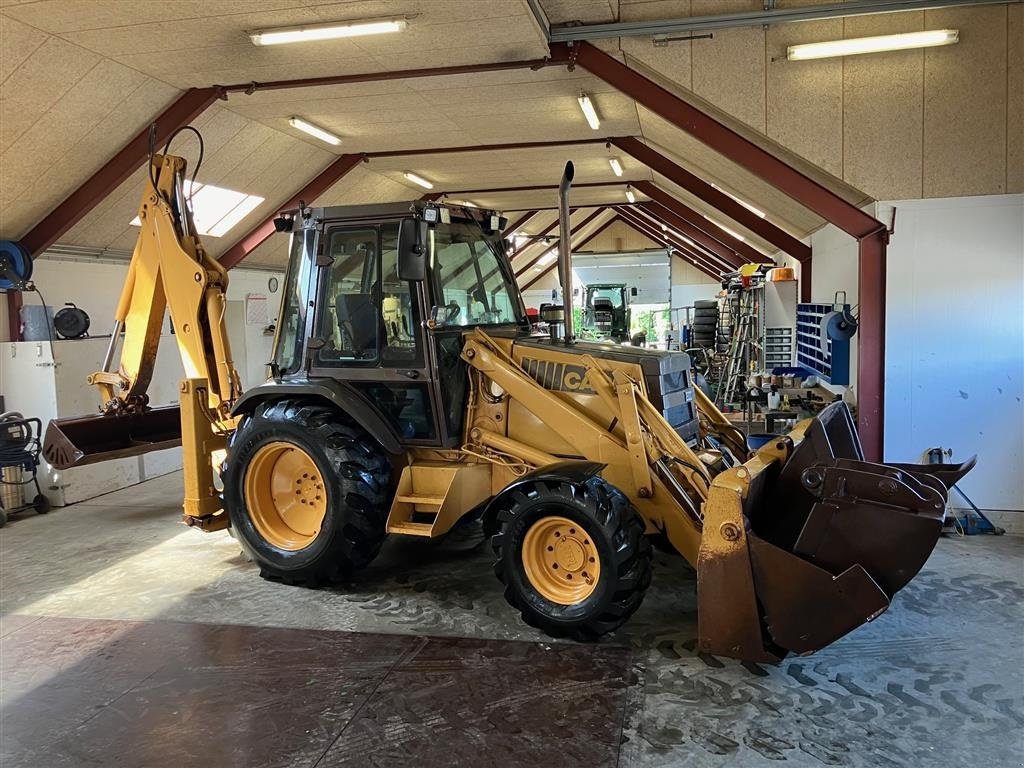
point(472, 280)
point(613, 293)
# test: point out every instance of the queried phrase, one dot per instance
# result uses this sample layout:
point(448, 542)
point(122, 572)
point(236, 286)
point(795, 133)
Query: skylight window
point(216, 210)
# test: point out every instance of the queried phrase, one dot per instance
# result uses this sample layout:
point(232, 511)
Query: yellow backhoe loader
point(407, 393)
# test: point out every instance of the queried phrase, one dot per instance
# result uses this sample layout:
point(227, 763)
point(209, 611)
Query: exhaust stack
point(565, 249)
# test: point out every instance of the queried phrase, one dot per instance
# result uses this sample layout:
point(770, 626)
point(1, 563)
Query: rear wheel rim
point(285, 495)
point(560, 560)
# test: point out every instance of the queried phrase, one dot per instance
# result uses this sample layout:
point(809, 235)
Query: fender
point(338, 394)
point(575, 472)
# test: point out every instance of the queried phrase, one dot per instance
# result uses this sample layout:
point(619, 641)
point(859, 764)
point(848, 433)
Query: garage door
point(647, 271)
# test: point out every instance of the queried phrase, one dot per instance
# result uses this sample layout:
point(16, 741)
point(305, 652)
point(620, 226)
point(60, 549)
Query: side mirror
point(633, 291)
point(412, 249)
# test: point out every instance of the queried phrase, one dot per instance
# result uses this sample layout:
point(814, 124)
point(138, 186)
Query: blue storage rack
point(831, 365)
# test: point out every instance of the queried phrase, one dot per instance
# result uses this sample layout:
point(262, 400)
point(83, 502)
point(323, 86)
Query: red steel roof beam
point(397, 74)
point(116, 170)
point(262, 232)
point(699, 236)
point(652, 219)
point(694, 254)
point(712, 269)
point(577, 227)
point(580, 244)
point(697, 220)
point(717, 199)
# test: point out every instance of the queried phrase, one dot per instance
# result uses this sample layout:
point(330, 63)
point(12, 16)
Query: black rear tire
point(41, 504)
point(356, 471)
point(616, 529)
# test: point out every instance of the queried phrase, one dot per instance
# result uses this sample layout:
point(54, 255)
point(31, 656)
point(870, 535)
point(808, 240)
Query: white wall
point(835, 269)
point(95, 286)
point(955, 339)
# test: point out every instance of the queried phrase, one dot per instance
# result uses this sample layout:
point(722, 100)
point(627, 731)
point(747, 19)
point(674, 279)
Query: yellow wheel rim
point(560, 560)
point(285, 495)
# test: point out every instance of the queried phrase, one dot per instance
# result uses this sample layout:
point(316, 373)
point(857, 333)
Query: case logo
point(558, 377)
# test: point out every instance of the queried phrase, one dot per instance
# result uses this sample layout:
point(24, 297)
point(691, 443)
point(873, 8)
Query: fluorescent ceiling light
point(330, 31)
point(215, 210)
point(589, 112)
point(629, 195)
point(877, 44)
point(756, 211)
point(616, 165)
point(737, 235)
point(547, 258)
point(312, 130)
point(415, 179)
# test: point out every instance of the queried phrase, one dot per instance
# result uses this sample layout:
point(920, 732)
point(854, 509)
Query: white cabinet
point(36, 384)
point(778, 321)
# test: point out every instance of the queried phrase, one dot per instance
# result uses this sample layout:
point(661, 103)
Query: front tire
point(306, 491)
point(573, 557)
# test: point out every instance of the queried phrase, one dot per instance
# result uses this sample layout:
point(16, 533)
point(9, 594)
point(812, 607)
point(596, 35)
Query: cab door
point(368, 329)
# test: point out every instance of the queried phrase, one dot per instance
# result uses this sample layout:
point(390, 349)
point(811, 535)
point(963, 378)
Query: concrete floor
point(938, 680)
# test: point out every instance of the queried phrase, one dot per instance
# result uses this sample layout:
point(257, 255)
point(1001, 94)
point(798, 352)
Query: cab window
point(291, 315)
point(471, 286)
point(349, 321)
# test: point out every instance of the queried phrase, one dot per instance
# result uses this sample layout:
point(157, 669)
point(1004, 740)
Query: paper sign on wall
point(256, 309)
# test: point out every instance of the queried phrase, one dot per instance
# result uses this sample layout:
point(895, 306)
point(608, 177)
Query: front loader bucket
point(89, 439)
point(807, 541)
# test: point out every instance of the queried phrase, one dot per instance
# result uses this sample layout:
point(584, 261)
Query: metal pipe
point(402, 74)
point(562, 33)
point(108, 358)
point(565, 249)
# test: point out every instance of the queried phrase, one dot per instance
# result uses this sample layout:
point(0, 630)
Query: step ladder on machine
point(432, 495)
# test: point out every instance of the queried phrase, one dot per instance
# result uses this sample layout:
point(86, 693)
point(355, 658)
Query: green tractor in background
point(606, 313)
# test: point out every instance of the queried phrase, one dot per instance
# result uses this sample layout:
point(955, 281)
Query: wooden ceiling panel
point(359, 186)
point(197, 44)
point(586, 11)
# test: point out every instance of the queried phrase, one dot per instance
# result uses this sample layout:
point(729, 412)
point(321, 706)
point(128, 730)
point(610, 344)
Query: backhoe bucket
point(807, 541)
point(89, 439)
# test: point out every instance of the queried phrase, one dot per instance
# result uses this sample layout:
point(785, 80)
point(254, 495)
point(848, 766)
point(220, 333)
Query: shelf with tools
point(827, 358)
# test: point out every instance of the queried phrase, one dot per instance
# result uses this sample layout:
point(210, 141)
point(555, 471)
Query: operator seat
point(357, 320)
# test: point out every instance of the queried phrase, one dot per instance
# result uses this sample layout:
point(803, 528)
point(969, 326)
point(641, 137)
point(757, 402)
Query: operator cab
point(377, 298)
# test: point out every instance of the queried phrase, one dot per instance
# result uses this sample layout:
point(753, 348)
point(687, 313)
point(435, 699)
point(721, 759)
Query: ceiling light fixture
point(756, 211)
point(858, 45)
point(589, 112)
point(313, 130)
point(416, 179)
point(330, 31)
point(616, 165)
point(629, 194)
point(725, 229)
point(547, 258)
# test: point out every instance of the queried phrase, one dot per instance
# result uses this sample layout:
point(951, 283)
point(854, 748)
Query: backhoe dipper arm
point(170, 269)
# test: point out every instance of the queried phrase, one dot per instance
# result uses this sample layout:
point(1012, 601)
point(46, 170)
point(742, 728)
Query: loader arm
point(169, 270)
point(794, 546)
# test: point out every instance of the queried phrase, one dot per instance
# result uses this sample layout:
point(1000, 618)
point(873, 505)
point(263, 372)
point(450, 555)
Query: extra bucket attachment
point(812, 541)
point(89, 439)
